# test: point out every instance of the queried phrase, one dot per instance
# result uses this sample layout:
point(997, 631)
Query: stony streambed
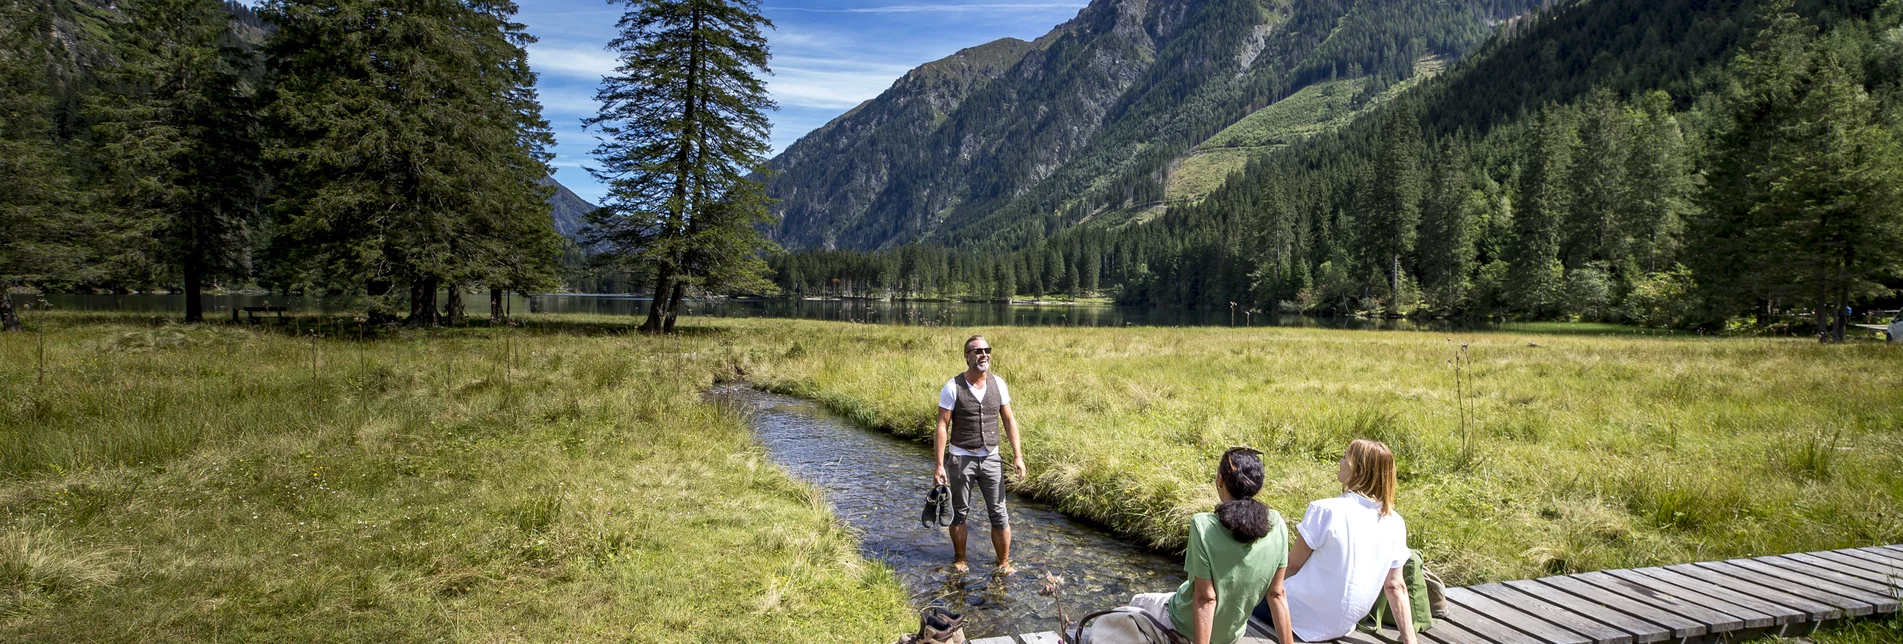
point(877, 484)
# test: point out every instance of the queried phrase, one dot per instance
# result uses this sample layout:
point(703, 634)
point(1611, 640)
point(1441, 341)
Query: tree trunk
point(9, 320)
point(1842, 313)
point(194, 291)
point(663, 281)
point(423, 303)
point(1821, 314)
point(495, 305)
point(658, 311)
point(673, 307)
point(453, 313)
point(1394, 286)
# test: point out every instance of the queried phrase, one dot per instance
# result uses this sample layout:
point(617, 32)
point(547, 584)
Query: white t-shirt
point(1355, 547)
point(948, 397)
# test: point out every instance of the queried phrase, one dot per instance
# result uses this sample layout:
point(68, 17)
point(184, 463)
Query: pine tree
point(1535, 271)
point(42, 236)
point(1731, 243)
point(684, 128)
point(1598, 180)
point(1448, 229)
point(1833, 198)
point(1394, 213)
point(177, 137)
point(1660, 190)
point(410, 142)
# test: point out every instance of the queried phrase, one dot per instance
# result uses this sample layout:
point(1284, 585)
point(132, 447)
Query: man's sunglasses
point(980, 350)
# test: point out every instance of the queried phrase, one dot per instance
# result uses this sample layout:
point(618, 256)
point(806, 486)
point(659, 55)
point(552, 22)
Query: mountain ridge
point(1089, 119)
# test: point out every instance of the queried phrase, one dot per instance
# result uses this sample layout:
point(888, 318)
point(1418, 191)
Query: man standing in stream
point(976, 406)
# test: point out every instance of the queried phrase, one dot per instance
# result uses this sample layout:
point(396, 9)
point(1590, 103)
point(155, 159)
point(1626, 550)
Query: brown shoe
point(939, 626)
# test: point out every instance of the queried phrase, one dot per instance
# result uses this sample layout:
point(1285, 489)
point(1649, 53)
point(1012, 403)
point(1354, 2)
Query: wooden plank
point(1851, 607)
point(1887, 554)
point(1643, 632)
point(1817, 611)
point(1681, 626)
point(1715, 621)
point(1721, 596)
point(1485, 626)
point(1878, 555)
point(1047, 637)
point(1446, 632)
point(1881, 562)
point(1804, 563)
point(1880, 602)
point(1872, 570)
point(1358, 637)
point(1461, 600)
point(1748, 616)
point(1598, 631)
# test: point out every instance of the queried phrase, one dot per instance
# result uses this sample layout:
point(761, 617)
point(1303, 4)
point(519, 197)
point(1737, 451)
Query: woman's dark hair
point(1240, 472)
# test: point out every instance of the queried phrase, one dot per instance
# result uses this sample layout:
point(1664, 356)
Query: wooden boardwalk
point(1787, 595)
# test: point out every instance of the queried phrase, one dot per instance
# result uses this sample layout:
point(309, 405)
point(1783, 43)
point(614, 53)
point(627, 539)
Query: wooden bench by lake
point(1789, 595)
point(251, 312)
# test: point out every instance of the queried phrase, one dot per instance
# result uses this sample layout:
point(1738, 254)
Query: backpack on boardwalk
point(1426, 598)
point(1124, 625)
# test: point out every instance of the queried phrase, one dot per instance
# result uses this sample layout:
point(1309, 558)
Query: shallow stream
point(877, 484)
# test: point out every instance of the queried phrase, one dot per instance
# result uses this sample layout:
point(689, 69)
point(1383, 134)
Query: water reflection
point(877, 485)
point(865, 311)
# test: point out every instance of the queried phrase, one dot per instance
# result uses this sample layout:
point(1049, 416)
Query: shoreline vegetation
point(564, 479)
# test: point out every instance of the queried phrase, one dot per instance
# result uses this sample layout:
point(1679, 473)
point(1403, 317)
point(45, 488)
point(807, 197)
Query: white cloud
point(848, 84)
point(580, 62)
point(559, 102)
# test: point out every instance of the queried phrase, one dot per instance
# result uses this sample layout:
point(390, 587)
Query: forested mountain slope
point(1009, 142)
point(1664, 162)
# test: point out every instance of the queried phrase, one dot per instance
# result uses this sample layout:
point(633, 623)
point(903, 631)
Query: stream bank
point(877, 483)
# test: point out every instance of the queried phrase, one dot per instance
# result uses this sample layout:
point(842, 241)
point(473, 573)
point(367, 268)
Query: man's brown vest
point(974, 422)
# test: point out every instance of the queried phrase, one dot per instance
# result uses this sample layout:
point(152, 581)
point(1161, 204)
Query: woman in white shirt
point(1348, 550)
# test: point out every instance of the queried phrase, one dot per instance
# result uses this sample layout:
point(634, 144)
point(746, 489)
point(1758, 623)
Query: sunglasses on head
point(980, 350)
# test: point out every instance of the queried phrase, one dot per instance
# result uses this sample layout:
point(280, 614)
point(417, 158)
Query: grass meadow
point(563, 481)
point(559, 482)
point(1577, 452)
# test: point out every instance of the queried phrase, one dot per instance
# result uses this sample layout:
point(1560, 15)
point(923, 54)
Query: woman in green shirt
point(1235, 558)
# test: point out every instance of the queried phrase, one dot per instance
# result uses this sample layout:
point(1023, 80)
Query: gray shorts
point(987, 472)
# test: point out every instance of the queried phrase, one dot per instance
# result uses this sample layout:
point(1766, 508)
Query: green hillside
point(1730, 166)
point(1011, 142)
point(1318, 108)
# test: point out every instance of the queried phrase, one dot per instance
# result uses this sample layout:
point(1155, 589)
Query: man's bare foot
point(960, 566)
point(1005, 568)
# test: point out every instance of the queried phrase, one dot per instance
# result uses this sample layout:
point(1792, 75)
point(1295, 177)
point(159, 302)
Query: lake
point(960, 314)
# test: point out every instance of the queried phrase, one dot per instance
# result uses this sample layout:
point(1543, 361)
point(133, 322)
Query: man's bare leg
point(1001, 543)
point(958, 547)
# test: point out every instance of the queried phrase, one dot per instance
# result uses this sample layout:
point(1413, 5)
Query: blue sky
point(828, 55)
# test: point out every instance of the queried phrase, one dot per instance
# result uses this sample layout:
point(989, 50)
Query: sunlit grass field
point(563, 481)
point(1578, 451)
point(560, 482)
